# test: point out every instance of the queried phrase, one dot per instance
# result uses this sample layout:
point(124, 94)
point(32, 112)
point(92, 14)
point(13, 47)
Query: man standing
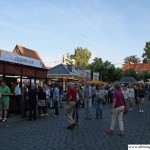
point(47, 92)
point(93, 92)
point(33, 98)
point(4, 100)
point(70, 104)
point(17, 93)
point(60, 96)
point(87, 92)
point(56, 99)
point(24, 100)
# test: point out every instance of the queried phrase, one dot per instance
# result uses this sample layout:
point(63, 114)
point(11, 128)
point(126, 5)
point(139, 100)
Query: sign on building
point(6, 56)
point(95, 76)
point(86, 74)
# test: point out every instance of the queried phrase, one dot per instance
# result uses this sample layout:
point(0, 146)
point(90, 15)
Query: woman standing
point(99, 96)
point(140, 96)
point(42, 103)
point(117, 111)
point(131, 97)
point(125, 93)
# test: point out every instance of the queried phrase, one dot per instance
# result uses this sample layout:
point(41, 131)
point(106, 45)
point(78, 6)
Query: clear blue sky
point(110, 29)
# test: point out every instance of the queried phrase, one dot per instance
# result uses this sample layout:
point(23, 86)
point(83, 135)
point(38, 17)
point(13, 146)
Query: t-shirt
point(126, 94)
point(4, 90)
point(72, 92)
point(119, 98)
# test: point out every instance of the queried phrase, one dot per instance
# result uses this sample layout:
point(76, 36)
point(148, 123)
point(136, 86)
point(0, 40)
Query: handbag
point(125, 110)
point(41, 103)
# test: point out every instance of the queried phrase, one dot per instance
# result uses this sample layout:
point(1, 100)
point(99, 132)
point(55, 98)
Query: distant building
point(137, 67)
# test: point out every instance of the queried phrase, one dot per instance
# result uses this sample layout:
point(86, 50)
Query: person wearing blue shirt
point(56, 99)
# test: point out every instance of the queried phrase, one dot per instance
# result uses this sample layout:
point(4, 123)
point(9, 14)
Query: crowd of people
point(34, 102)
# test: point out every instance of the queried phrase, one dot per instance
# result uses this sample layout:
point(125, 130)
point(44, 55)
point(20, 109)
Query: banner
point(86, 74)
point(95, 76)
point(9, 57)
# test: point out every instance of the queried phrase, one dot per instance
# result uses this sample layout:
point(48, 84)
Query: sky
point(109, 29)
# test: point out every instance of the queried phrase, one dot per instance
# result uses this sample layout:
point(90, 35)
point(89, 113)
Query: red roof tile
point(28, 53)
point(137, 67)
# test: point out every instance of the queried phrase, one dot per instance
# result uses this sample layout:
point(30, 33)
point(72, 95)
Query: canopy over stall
point(128, 80)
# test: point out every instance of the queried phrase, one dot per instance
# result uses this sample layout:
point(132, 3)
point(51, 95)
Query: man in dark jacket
point(33, 98)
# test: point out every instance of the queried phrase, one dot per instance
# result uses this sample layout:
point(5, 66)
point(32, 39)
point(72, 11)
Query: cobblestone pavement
point(51, 133)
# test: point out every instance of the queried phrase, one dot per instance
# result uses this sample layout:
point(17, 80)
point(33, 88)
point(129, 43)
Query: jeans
point(18, 103)
point(68, 110)
point(60, 101)
point(118, 112)
point(88, 105)
point(99, 107)
point(51, 102)
point(24, 108)
point(56, 107)
point(76, 113)
point(93, 98)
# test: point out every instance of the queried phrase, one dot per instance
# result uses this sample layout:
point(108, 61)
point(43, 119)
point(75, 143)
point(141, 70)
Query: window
point(17, 50)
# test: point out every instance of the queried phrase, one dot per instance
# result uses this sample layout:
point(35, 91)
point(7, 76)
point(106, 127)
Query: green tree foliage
point(118, 74)
point(144, 75)
point(130, 73)
point(81, 57)
point(132, 58)
point(107, 71)
point(146, 54)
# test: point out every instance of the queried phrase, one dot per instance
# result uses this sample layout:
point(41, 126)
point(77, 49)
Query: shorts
point(4, 105)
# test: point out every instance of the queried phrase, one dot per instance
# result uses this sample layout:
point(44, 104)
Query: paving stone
point(51, 133)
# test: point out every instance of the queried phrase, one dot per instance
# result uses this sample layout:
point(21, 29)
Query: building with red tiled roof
point(20, 50)
point(137, 67)
point(22, 61)
point(21, 65)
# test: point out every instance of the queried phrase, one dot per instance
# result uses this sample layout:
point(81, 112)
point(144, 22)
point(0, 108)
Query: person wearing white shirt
point(125, 94)
point(17, 93)
point(47, 92)
point(56, 99)
point(87, 93)
point(131, 96)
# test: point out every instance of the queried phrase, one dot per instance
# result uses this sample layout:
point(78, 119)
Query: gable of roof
point(20, 50)
point(27, 52)
point(137, 67)
point(59, 70)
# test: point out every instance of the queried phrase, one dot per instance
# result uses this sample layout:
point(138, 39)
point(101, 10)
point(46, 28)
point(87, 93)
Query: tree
point(107, 71)
point(144, 75)
point(81, 57)
point(146, 54)
point(130, 73)
point(132, 58)
point(118, 74)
